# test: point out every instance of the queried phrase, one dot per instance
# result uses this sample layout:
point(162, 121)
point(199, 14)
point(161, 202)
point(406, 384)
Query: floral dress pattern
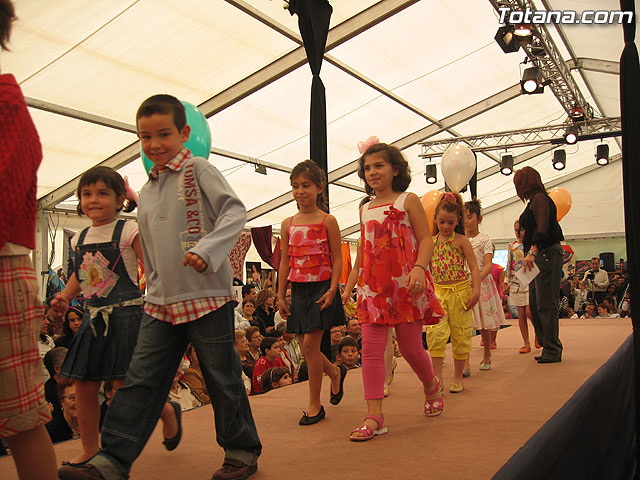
point(487, 313)
point(389, 252)
point(309, 253)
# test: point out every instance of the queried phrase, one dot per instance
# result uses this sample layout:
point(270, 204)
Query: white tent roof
point(391, 68)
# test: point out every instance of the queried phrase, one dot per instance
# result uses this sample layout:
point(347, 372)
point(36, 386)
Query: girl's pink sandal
point(367, 432)
point(437, 404)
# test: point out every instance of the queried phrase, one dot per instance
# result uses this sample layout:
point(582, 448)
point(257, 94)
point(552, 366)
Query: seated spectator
point(254, 337)
point(71, 325)
point(45, 343)
point(278, 335)
point(336, 335)
point(589, 311)
point(248, 293)
point(348, 353)
point(182, 394)
point(193, 376)
point(603, 312)
point(55, 320)
point(570, 313)
point(248, 309)
point(612, 289)
point(53, 360)
point(277, 318)
point(275, 377)
point(265, 312)
point(355, 331)
point(292, 348)
point(610, 302)
point(270, 348)
point(242, 346)
point(109, 391)
point(65, 426)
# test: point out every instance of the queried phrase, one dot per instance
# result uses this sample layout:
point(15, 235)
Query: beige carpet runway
point(477, 433)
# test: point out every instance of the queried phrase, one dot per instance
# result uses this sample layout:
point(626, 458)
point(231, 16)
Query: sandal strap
point(375, 418)
point(366, 429)
point(435, 390)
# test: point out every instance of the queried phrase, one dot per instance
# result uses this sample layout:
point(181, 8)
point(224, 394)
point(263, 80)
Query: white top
point(103, 233)
point(482, 245)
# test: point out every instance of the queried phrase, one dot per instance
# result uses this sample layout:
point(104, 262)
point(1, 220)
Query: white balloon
point(458, 166)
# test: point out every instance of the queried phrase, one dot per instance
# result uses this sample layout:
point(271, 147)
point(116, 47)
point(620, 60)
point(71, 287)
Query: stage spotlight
point(602, 154)
point(261, 169)
point(522, 29)
point(506, 164)
point(431, 173)
point(571, 134)
point(531, 82)
point(559, 159)
point(507, 40)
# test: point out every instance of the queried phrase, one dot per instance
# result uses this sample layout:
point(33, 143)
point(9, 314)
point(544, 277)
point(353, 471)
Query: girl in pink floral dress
point(312, 261)
point(394, 285)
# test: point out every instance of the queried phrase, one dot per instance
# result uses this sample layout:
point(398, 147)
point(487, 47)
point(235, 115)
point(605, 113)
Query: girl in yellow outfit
point(451, 251)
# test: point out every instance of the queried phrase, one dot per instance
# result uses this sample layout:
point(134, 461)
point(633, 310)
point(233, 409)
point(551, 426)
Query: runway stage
point(480, 429)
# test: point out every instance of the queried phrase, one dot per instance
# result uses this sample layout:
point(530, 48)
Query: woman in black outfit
point(542, 243)
point(265, 312)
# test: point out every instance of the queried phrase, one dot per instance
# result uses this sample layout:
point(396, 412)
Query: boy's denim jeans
point(136, 407)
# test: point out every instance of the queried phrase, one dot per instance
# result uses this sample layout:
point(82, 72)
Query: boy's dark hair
point(451, 202)
point(347, 341)
point(246, 290)
point(7, 17)
point(54, 358)
point(272, 375)
point(164, 104)
point(275, 333)
point(112, 180)
point(314, 173)
point(266, 344)
point(474, 206)
point(396, 159)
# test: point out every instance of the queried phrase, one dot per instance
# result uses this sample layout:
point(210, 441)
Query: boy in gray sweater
point(189, 219)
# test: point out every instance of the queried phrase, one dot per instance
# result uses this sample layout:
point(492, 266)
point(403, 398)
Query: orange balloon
point(562, 199)
point(429, 201)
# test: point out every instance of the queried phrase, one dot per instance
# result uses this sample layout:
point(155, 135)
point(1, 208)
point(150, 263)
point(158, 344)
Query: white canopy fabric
point(390, 67)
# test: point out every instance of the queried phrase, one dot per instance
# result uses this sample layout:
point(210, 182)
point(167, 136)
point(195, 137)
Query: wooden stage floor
point(478, 432)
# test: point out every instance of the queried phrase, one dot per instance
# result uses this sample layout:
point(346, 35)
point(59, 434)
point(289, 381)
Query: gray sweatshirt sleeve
point(229, 219)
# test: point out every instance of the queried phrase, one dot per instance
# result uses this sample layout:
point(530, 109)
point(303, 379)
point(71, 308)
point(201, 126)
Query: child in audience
point(487, 312)
point(270, 348)
point(453, 259)
point(275, 377)
point(348, 353)
point(312, 261)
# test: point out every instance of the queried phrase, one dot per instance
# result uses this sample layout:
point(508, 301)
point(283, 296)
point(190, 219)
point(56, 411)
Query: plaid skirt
point(22, 403)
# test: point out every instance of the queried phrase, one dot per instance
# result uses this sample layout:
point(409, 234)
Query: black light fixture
point(602, 154)
point(431, 173)
point(571, 134)
point(559, 159)
point(261, 169)
point(531, 82)
point(506, 164)
point(505, 37)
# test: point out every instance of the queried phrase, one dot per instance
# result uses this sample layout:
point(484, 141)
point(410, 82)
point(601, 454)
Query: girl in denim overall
point(105, 269)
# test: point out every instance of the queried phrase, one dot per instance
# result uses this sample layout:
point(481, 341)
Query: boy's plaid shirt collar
point(174, 164)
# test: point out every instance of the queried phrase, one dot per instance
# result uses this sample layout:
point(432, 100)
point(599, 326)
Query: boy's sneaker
point(233, 469)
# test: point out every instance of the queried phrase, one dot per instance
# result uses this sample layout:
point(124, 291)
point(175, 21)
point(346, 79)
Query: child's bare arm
point(62, 300)
point(467, 249)
point(283, 270)
point(333, 235)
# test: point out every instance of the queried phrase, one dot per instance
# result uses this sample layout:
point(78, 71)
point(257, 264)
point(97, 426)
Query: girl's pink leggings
point(374, 340)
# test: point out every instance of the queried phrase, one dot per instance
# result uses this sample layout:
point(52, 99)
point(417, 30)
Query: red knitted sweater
point(20, 157)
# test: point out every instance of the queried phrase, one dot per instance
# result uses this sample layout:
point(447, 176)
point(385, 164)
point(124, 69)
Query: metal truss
point(524, 137)
point(549, 61)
